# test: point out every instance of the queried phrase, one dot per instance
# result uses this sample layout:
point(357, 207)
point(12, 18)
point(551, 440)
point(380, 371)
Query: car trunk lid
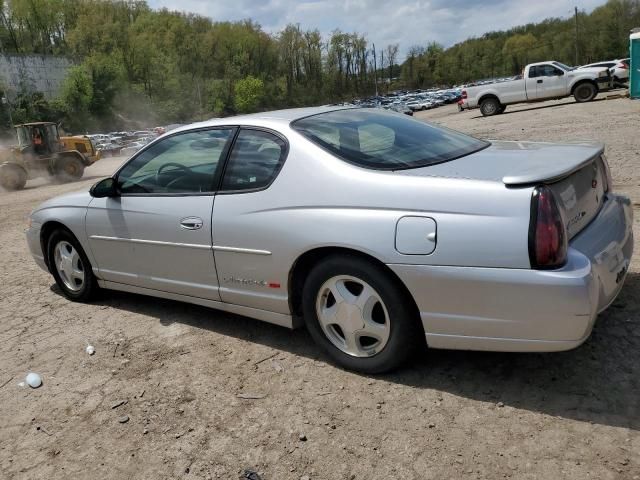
point(574, 172)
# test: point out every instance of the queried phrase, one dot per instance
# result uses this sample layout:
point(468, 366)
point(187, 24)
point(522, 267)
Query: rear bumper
point(473, 308)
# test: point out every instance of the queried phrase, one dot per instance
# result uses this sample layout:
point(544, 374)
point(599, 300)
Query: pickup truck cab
point(540, 81)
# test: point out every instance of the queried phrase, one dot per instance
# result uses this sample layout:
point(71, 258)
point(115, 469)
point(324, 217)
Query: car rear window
point(382, 140)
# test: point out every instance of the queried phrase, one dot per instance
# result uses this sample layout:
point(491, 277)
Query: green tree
point(519, 49)
point(77, 94)
point(139, 66)
point(248, 94)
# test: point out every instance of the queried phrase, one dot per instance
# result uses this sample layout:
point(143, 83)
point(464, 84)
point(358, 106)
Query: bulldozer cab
point(41, 138)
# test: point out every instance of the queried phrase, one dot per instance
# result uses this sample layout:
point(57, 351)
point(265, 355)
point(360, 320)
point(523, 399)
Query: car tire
point(501, 109)
point(585, 92)
point(12, 177)
point(489, 106)
point(69, 168)
point(70, 266)
point(359, 315)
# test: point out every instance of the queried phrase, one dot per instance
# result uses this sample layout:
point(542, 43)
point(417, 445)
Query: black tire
point(69, 168)
point(89, 285)
point(585, 92)
point(401, 318)
point(489, 106)
point(12, 177)
point(502, 109)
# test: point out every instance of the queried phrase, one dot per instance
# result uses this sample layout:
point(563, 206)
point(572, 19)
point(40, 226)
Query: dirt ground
point(180, 369)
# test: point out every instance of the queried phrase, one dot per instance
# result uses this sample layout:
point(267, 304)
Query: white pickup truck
point(541, 81)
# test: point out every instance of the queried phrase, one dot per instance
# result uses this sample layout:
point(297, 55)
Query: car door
point(156, 233)
point(551, 82)
point(246, 242)
point(533, 79)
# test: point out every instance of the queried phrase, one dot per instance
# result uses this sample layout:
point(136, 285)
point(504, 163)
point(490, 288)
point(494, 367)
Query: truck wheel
point(585, 92)
point(69, 168)
point(489, 106)
point(12, 177)
point(502, 109)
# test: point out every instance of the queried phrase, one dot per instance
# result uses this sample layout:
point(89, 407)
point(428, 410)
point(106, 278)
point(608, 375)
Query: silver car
point(379, 232)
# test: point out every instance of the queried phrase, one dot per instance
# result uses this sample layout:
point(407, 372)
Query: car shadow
point(598, 382)
point(542, 107)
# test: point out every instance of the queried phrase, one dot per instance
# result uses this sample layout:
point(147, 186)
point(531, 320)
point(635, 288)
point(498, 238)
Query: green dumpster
point(634, 68)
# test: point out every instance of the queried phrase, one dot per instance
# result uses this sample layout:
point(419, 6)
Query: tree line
point(134, 65)
point(601, 35)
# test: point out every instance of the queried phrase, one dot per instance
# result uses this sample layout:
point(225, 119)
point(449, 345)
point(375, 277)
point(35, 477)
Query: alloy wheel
point(353, 316)
point(69, 266)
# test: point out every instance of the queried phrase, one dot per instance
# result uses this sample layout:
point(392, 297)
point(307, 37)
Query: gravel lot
point(180, 369)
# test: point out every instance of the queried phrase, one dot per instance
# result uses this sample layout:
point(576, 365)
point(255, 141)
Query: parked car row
point(411, 101)
point(124, 142)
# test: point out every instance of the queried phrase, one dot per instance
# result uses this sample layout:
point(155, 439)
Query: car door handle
point(539, 81)
point(191, 223)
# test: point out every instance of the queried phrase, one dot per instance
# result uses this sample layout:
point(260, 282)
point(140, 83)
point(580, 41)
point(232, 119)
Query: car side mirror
point(560, 73)
point(104, 188)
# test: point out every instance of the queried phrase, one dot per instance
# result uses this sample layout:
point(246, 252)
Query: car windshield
point(382, 140)
point(563, 66)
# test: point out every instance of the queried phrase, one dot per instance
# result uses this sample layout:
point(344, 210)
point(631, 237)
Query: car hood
point(74, 199)
point(515, 163)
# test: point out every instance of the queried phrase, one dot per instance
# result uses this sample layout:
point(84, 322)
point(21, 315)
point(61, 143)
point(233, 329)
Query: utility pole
point(576, 16)
point(375, 69)
point(382, 66)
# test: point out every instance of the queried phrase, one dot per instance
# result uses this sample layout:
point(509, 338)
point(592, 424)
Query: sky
point(384, 22)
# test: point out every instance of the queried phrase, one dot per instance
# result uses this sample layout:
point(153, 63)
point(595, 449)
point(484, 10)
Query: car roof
point(598, 63)
point(281, 117)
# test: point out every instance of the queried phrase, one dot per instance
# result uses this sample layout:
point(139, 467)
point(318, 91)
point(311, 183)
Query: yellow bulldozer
point(42, 152)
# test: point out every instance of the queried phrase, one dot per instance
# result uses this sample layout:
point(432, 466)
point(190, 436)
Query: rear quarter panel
point(319, 201)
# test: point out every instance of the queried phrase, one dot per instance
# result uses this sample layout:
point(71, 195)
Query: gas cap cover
point(416, 235)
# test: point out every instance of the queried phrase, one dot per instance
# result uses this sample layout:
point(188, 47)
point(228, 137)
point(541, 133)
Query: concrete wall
point(32, 73)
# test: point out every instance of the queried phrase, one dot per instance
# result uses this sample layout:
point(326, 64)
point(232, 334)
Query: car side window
point(254, 162)
point(533, 72)
point(182, 163)
point(549, 71)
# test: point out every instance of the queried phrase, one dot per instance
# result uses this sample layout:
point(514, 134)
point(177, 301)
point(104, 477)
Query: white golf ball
point(33, 380)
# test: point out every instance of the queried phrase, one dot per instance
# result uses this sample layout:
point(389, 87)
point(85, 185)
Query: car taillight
point(464, 94)
point(623, 66)
point(548, 243)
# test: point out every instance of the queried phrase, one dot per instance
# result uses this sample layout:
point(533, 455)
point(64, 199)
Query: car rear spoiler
point(545, 171)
